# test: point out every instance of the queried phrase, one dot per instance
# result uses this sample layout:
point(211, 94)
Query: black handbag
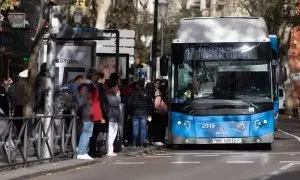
point(118, 142)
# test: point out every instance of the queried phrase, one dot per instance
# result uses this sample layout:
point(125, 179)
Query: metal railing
point(24, 141)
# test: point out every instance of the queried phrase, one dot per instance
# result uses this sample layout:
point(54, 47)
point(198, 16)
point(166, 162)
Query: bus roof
point(222, 29)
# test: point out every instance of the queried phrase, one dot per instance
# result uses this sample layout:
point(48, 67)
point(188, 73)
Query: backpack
point(160, 106)
point(62, 101)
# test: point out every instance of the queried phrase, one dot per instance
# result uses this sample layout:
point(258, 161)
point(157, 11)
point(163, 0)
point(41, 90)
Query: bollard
point(121, 122)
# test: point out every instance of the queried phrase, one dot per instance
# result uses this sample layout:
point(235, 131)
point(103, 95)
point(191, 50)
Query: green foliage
point(121, 15)
point(173, 24)
point(9, 4)
point(275, 12)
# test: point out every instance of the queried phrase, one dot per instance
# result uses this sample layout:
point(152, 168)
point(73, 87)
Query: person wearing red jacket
point(89, 111)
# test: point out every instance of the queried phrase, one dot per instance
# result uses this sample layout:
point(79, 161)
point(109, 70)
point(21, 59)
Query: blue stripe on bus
point(222, 126)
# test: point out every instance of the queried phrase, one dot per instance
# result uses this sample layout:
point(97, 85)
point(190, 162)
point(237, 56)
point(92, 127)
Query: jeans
point(159, 122)
point(139, 123)
point(112, 133)
point(84, 140)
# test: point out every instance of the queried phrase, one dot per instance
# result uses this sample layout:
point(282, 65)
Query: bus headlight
point(183, 124)
point(186, 124)
point(260, 123)
point(265, 122)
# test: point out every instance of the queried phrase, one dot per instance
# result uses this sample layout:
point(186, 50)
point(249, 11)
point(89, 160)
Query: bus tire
point(266, 146)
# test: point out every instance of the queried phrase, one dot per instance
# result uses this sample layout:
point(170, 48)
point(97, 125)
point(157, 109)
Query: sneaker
point(158, 143)
point(112, 154)
point(145, 145)
point(84, 157)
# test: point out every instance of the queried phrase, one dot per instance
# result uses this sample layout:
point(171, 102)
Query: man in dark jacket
point(4, 100)
point(140, 106)
point(99, 127)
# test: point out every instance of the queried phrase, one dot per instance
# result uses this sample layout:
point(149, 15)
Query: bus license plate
point(226, 140)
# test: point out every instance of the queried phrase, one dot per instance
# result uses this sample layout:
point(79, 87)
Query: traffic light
point(25, 59)
point(164, 60)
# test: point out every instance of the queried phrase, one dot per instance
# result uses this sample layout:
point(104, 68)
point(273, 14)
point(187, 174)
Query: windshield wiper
point(249, 102)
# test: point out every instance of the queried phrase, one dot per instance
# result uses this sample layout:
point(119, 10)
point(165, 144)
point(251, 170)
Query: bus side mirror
point(284, 78)
point(281, 74)
point(164, 60)
point(177, 54)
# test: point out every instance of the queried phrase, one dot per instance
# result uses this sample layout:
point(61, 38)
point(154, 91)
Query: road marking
point(207, 155)
point(287, 166)
point(295, 162)
point(125, 163)
point(239, 162)
point(266, 177)
point(157, 156)
point(185, 162)
point(289, 134)
point(275, 173)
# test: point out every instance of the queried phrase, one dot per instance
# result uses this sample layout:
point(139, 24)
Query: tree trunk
point(32, 65)
point(101, 9)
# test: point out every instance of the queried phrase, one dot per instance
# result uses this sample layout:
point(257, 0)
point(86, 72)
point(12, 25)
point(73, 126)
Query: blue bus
point(275, 58)
point(221, 89)
point(277, 66)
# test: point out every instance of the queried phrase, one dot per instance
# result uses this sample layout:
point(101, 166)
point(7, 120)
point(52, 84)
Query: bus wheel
point(172, 146)
point(266, 146)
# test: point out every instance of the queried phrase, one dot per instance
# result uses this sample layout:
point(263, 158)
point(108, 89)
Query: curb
point(61, 166)
point(44, 169)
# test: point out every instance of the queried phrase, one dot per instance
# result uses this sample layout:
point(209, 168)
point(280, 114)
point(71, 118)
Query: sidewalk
point(44, 169)
point(289, 124)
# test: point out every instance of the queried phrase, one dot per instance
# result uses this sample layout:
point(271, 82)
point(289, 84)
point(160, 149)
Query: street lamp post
point(154, 41)
point(78, 16)
point(163, 12)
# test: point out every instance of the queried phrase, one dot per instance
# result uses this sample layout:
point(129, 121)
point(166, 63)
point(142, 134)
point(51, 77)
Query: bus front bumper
point(269, 138)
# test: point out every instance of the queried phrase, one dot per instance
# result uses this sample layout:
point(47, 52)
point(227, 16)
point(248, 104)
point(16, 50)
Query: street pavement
point(209, 163)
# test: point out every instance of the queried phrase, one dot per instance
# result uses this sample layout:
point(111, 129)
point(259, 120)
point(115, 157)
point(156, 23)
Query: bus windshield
point(214, 81)
point(223, 73)
point(223, 80)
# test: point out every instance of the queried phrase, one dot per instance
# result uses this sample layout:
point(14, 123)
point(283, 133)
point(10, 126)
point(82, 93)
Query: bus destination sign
point(220, 53)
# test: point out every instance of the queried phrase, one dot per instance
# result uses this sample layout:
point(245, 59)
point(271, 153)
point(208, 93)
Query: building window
point(208, 3)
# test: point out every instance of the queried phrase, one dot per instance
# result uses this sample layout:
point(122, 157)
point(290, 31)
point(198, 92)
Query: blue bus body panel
point(255, 125)
point(179, 128)
point(224, 126)
point(274, 46)
point(274, 43)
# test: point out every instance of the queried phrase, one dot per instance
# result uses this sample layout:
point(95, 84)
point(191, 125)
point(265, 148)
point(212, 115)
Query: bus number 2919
point(208, 126)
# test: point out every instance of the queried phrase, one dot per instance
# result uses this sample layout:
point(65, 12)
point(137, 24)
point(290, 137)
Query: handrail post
point(74, 134)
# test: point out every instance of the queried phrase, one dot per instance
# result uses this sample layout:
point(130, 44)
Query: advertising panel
point(106, 63)
point(72, 60)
